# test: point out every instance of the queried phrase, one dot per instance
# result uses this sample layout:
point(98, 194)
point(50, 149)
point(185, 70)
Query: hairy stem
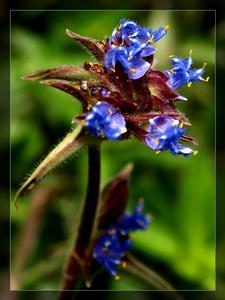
point(72, 270)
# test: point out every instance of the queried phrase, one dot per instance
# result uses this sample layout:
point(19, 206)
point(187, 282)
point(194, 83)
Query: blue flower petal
point(130, 43)
point(139, 68)
point(112, 246)
point(103, 120)
point(135, 221)
point(179, 149)
point(147, 51)
point(183, 63)
point(115, 127)
point(177, 78)
point(110, 59)
point(164, 134)
point(181, 74)
point(110, 249)
point(196, 74)
point(159, 33)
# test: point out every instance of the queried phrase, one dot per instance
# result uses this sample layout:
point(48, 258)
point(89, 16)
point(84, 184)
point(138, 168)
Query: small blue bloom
point(164, 134)
point(130, 32)
point(181, 73)
point(130, 59)
point(135, 221)
point(127, 28)
point(110, 249)
point(115, 242)
point(159, 33)
point(103, 120)
point(128, 45)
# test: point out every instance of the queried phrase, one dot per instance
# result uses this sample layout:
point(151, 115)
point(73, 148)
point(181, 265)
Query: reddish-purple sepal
point(163, 95)
point(114, 198)
point(97, 48)
point(142, 93)
point(136, 130)
point(71, 88)
point(70, 73)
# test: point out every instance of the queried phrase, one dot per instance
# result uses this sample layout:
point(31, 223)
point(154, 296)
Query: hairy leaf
point(69, 145)
point(94, 46)
point(70, 73)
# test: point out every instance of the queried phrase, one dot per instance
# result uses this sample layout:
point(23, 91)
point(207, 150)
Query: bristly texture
point(112, 246)
point(122, 93)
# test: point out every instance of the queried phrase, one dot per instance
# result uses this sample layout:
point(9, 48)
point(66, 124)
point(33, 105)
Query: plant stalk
point(73, 266)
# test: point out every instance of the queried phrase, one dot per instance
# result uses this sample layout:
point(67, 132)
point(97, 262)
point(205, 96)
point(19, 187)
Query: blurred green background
point(179, 192)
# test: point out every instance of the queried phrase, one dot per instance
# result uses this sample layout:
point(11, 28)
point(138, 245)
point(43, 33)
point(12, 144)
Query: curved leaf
point(69, 145)
point(70, 73)
point(94, 46)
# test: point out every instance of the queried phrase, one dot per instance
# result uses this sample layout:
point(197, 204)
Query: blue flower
point(135, 221)
point(164, 134)
point(181, 73)
point(130, 32)
point(103, 120)
point(129, 59)
point(128, 45)
point(110, 249)
point(159, 33)
point(115, 242)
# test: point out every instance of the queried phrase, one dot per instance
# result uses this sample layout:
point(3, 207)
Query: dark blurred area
point(179, 192)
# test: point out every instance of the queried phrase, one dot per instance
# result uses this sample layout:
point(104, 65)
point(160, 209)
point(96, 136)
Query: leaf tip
point(69, 32)
point(127, 170)
point(27, 186)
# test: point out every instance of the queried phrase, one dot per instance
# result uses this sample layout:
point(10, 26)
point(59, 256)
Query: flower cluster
point(122, 93)
point(165, 133)
point(110, 249)
point(181, 73)
point(112, 246)
point(128, 45)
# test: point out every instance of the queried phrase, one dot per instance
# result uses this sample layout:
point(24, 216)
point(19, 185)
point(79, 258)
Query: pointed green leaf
point(94, 46)
point(69, 145)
